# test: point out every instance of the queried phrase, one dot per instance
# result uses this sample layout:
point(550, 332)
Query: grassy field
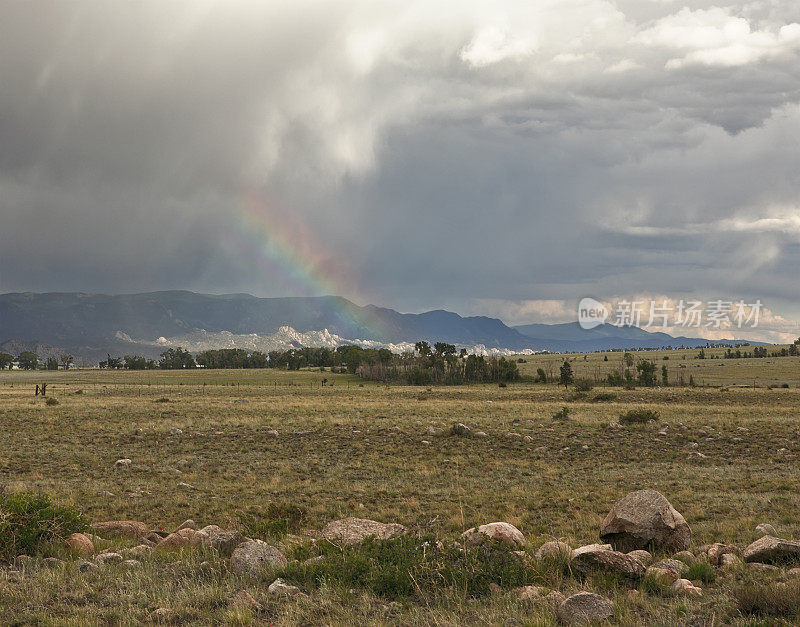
point(363, 449)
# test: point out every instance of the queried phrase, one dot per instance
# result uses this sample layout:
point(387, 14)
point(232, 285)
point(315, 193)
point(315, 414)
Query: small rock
point(122, 529)
point(105, 493)
point(717, 550)
point(280, 587)
point(186, 486)
point(176, 431)
point(80, 544)
point(686, 587)
point(87, 567)
point(132, 564)
point(459, 428)
point(495, 588)
point(528, 593)
point(480, 434)
point(765, 529)
point(122, 463)
point(764, 568)
point(677, 566)
point(729, 560)
point(272, 434)
point(662, 576)
point(224, 542)
point(355, 530)
point(793, 572)
point(696, 455)
point(108, 558)
point(585, 607)
point(501, 532)
point(52, 562)
point(600, 559)
point(643, 556)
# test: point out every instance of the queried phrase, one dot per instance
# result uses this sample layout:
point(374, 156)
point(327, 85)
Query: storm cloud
point(492, 157)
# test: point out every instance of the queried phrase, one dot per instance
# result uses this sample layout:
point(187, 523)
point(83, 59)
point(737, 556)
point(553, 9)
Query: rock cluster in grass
point(640, 525)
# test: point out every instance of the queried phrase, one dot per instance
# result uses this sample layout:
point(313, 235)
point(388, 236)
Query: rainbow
point(271, 237)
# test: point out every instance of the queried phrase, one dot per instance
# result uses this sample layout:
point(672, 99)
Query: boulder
point(585, 607)
point(554, 600)
point(355, 530)
point(88, 567)
point(256, 558)
point(599, 559)
point(687, 557)
point(501, 532)
point(553, 549)
point(645, 519)
point(224, 542)
point(122, 529)
point(772, 550)
point(729, 560)
point(643, 556)
point(80, 544)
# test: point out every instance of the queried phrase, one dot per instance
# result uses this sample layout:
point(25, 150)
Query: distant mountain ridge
point(91, 325)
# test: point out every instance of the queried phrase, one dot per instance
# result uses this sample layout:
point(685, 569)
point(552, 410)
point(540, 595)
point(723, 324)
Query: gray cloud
point(408, 155)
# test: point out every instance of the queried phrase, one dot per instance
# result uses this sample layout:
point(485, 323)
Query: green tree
point(664, 376)
point(6, 360)
point(566, 377)
point(647, 373)
point(51, 363)
point(176, 359)
point(28, 360)
point(66, 360)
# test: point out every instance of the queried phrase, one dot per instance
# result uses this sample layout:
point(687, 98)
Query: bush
point(409, 566)
point(638, 416)
point(583, 385)
point(561, 414)
point(30, 521)
point(51, 401)
point(604, 397)
point(701, 570)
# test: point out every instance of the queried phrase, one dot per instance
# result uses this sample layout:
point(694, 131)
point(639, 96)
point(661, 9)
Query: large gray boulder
point(772, 550)
point(355, 530)
point(645, 519)
point(256, 558)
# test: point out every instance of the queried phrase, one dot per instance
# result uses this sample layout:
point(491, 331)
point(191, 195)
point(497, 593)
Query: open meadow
point(202, 446)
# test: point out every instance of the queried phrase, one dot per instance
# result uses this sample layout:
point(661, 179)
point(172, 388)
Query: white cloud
point(717, 37)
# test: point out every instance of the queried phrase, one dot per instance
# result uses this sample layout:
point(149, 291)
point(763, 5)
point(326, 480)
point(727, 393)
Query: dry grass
point(359, 450)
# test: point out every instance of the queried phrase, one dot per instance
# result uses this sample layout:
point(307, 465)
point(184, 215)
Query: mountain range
point(91, 325)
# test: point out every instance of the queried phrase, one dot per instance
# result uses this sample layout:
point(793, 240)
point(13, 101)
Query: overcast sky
point(505, 158)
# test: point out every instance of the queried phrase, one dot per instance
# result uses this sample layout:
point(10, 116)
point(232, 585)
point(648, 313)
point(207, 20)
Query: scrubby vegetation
point(30, 522)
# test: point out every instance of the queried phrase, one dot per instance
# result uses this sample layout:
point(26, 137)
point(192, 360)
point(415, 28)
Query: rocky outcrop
point(645, 519)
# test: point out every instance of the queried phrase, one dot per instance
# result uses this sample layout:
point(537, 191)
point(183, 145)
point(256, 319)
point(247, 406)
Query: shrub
point(561, 414)
point(51, 401)
point(583, 385)
point(701, 570)
point(604, 397)
point(30, 521)
point(638, 416)
point(409, 566)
